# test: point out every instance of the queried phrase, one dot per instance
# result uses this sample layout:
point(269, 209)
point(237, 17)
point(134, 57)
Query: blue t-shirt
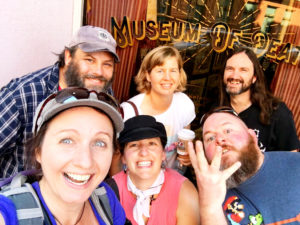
point(8, 210)
point(271, 196)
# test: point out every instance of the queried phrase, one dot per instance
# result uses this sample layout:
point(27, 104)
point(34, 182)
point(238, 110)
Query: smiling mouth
point(144, 163)
point(77, 179)
point(234, 81)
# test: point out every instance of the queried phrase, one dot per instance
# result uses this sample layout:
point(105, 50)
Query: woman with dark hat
point(149, 193)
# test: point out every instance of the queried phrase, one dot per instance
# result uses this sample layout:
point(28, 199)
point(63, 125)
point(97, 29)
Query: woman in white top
point(160, 81)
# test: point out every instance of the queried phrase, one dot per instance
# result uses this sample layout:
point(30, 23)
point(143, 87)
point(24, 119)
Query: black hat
point(142, 127)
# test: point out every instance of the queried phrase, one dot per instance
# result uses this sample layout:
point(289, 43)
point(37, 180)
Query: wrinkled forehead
point(219, 119)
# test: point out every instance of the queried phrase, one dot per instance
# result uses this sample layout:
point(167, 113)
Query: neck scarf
point(142, 205)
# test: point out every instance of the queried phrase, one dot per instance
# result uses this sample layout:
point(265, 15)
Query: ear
point(253, 79)
point(123, 159)
point(164, 155)
point(37, 153)
point(68, 57)
point(148, 77)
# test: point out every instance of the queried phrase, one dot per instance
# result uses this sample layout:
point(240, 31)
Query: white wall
point(30, 30)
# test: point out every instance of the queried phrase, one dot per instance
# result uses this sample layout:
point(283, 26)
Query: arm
point(188, 205)
point(9, 121)
point(211, 182)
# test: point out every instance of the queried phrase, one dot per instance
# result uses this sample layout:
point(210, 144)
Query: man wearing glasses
point(88, 61)
point(244, 89)
point(237, 183)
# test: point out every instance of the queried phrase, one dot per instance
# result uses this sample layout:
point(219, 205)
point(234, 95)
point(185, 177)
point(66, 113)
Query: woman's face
point(143, 159)
point(164, 79)
point(75, 155)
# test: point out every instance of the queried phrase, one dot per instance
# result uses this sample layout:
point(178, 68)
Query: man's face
point(238, 74)
point(93, 70)
point(232, 135)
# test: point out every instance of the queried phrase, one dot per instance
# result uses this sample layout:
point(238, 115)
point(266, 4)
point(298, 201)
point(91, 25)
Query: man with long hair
point(244, 89)
point(88, 61)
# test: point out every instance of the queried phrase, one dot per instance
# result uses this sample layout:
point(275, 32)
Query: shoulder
point(37, 81)
point(180, 96)
point(188, 204)
point(8, 211)
point(40, 76)
point(174, 176)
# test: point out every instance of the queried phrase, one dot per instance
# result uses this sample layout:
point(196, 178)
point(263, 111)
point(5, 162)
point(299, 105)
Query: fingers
point(231, 170)
point(216, 161)
point(192, 155)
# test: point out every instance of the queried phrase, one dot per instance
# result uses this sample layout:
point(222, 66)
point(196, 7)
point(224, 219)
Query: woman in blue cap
point(74, 139)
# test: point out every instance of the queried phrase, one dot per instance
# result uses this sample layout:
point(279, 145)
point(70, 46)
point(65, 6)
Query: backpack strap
point(101, 203)
point(26, 201)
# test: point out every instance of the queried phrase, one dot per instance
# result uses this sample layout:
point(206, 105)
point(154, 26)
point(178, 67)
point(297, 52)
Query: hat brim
point(55, 108)
point(139, 134)
point(96, 47)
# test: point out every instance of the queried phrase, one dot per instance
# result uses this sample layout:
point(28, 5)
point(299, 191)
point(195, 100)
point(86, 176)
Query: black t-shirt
point(279, 135)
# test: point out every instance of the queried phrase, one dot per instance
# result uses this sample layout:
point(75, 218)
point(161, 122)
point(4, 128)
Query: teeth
point(77, 179)
point(224, 151)
point(166, 85)
point(144, 163)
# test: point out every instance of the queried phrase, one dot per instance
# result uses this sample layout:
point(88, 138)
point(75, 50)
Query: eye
point(132, 145)
point(227, 131)
point(108, 64)
point(90, 60)
point(152, 143)
point(100, 144)
point(66, 141)
point(210, 139)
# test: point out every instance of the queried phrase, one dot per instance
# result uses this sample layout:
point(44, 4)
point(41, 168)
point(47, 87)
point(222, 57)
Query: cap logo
point(103, 36)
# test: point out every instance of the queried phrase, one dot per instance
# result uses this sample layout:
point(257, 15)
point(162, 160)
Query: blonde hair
point(157, 57)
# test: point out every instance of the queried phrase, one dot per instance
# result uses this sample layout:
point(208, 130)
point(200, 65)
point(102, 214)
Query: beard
point(74, 78)
point(249, 160)
point(245, 87)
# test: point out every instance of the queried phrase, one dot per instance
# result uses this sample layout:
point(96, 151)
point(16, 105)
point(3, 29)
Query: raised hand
point(211, 183)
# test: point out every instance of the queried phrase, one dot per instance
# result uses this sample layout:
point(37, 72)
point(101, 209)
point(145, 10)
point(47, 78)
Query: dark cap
point(142, 127)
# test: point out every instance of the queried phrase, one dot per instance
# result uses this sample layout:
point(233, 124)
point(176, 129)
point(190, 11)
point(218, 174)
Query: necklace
point(78, 220)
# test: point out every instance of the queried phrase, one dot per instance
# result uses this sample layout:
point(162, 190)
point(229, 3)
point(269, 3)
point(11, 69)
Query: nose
point(220, 139)
point(98, 69)
point(167, 75)
point(83, 158)
point(143, 150)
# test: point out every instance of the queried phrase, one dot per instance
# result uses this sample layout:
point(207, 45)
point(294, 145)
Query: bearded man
point(244, 89)
point(237, 183)
point(88, 61)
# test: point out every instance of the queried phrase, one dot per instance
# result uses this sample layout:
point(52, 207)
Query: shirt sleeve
point(188, 109)
point(8, 210)
point(285, 130)
point(9, 121)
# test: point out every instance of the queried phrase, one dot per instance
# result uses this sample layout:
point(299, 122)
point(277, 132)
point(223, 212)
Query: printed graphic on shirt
point(234, 210)
point(256, 220)
point(261, 146)
point(235, 213)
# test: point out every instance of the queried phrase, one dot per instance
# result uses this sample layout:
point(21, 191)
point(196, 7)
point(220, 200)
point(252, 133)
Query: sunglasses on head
point(76, 93)
point(225, 109)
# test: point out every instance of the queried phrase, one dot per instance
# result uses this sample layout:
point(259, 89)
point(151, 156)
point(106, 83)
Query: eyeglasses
point(76, 93)
point(225, 109)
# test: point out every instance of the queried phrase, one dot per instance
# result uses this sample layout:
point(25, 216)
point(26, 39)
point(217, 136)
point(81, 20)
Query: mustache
point(90, 76)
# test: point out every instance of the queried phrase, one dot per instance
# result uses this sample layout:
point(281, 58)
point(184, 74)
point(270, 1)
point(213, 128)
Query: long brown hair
point(260, 95)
